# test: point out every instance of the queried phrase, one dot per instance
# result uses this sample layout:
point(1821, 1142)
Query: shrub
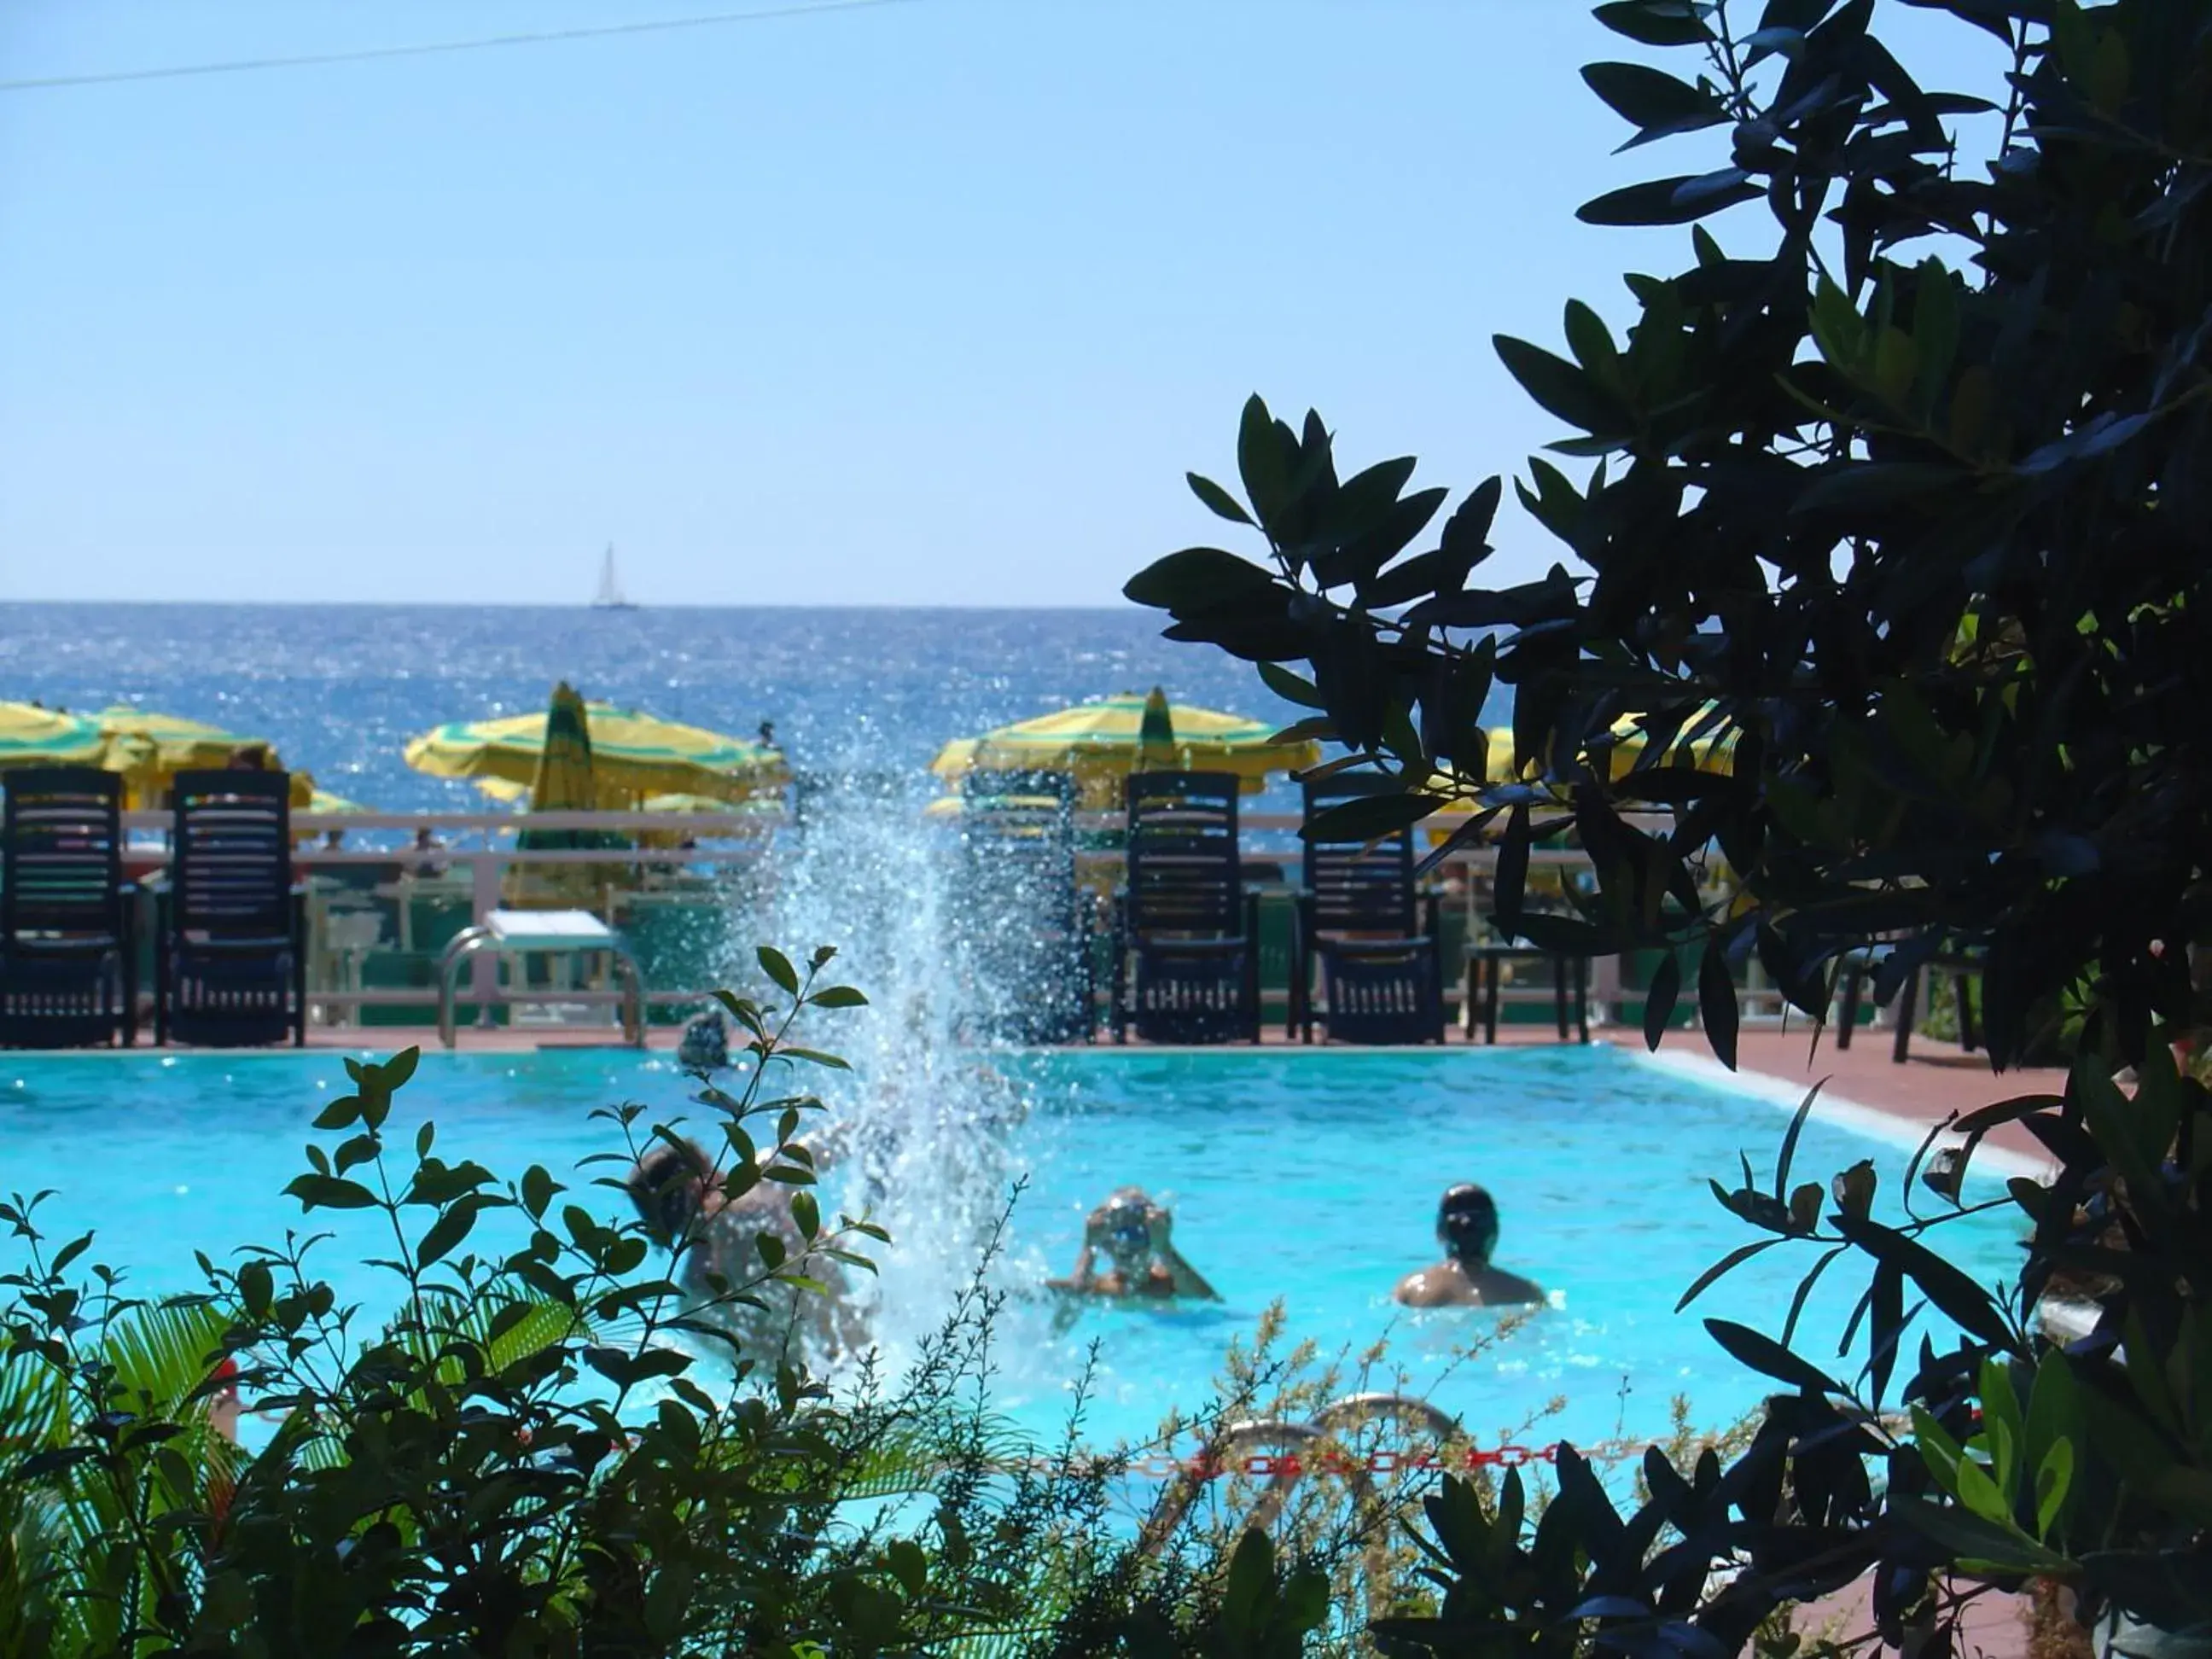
point(1894, 580)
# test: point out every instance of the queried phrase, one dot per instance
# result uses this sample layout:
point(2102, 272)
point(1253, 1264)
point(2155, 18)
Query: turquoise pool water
point(1311, 1177)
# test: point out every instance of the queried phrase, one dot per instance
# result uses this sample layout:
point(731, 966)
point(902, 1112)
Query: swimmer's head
point(1467, 1225)
point(1126, 1220)
point(667, 1184)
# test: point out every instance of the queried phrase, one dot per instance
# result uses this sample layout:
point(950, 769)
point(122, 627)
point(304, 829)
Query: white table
point(514, 932)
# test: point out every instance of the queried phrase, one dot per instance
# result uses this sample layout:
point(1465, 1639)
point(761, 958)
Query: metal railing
point(480, 846)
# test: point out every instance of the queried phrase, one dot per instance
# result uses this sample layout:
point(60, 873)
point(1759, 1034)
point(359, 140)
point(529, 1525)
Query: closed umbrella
point(1101, 742)
point(566, 781)
point(633, 755)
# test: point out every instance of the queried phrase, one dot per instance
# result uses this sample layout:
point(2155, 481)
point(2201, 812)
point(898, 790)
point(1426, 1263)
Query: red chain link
point(1332, 1460)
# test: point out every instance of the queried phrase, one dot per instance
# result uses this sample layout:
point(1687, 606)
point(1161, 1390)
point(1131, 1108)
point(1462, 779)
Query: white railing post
point(483, 899)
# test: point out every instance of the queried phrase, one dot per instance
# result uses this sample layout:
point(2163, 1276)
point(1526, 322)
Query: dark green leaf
point(1717, 1003)
point(1736, 1257)
point(1437, 571)
point(1267, 459)
point(538, 1190)
point(1865, 486)
point(1789, 1152)
point(1965, 1303)
point(1510, 882)
point(1655, 22)
point(1368, 817)
point(1291, 687)
point(1196, 578)
point(1973, 1539)
point(1659, 999)
point(1562, 388)
point(341, 1114)
point(1770, 1358)
point(777, 966)
point(1221, 503)
point(328, 1193)
point(447, 1230)
point(1466, 532)
point(69, 1253)
point(1653, 101)
point(838, 996)
point(1666, 202)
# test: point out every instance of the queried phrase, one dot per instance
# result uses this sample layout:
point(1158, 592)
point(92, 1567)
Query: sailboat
point(610, 596)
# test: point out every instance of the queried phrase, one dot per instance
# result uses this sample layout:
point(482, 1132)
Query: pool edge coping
point(1873, 1122)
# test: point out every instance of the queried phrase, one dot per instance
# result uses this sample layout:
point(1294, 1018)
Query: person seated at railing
point(1467, 1226)
point(676, 1191)
point(425, 844)
point(1141, 1259)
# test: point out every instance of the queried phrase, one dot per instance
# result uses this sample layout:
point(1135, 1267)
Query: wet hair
point(1467, 1222)
point(1120, 1204)
point(665, 1185)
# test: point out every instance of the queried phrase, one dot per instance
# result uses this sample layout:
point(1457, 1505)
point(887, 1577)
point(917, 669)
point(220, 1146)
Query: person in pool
point(674, 1190)
point(1467, 1226)
point(1141, 1259)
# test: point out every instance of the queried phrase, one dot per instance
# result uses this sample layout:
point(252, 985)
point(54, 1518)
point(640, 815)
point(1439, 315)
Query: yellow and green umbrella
point(32, 735)
point(633, 755)
point(149, 749)
point(1704, 754)
point(1101, 742)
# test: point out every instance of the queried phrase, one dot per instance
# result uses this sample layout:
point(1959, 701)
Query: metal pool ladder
point(572, 933)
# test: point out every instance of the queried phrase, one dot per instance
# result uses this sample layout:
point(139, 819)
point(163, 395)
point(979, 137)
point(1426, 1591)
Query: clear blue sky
point(928, 303)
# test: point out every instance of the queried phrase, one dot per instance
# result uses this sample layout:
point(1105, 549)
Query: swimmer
point(1141, 1259)
point(673, 1191)
point(1467, 1226)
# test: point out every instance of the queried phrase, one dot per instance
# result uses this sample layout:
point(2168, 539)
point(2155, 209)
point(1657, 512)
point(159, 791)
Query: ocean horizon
point(340, 688)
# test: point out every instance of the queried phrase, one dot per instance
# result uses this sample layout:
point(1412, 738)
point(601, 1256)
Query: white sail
point(610, 597)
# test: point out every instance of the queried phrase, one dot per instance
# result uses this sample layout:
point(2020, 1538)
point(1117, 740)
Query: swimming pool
point(1308, 1176)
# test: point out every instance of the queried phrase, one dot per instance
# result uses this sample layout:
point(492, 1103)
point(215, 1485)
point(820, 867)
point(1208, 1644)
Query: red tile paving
point(1935, 1080)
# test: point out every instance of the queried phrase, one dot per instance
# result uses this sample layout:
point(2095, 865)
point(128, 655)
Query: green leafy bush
point(531, 1455)
point(1890, 522)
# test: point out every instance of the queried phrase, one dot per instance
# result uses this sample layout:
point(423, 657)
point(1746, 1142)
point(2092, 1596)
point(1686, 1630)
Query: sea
point(339, 689)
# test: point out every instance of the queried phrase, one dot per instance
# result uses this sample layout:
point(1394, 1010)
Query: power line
point(550, 37)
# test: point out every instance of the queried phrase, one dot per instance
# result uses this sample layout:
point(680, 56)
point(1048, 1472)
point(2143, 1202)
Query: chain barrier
point(1333, 1461)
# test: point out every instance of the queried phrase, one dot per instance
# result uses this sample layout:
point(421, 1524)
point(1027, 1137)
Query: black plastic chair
point(1025, 924)
point(1186, 963)
point(232, 957)
point(1961, 969)
point(1378, 940)
point(68, 955)
point(1486, 988)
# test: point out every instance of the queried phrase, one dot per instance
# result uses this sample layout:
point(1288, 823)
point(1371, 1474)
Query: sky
point(931, 302)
